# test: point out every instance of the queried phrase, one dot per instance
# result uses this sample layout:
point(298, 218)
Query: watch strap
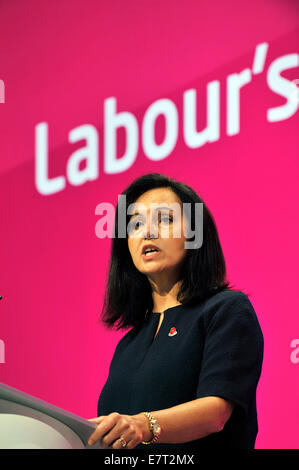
point(152, 422)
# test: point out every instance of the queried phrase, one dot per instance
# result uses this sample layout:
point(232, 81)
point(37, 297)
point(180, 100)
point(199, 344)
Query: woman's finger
point(103, 427)
point(96, 420)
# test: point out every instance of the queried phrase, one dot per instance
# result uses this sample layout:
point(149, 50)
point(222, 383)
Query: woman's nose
point(150, 230)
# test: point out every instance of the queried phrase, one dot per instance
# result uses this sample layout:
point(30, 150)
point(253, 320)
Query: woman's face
point(164, 265)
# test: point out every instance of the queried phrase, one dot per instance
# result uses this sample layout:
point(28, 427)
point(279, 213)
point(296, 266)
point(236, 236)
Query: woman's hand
point(116, 431)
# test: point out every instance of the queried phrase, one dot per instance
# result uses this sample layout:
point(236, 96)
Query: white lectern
point(27, 422)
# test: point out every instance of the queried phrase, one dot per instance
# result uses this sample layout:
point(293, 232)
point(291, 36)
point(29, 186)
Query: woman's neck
point(165, 297)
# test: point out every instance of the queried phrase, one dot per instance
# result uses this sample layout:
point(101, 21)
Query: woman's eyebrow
point(156, 208)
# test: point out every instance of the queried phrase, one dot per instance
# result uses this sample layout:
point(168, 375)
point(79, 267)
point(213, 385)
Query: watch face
point(156, 428)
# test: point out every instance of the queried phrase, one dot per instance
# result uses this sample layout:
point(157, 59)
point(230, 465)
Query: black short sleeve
point(232, 353)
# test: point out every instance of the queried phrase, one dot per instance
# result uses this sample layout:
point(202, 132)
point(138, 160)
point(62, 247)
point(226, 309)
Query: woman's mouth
point(150, 254)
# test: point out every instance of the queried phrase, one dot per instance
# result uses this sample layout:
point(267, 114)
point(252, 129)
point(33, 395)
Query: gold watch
point(155, 428)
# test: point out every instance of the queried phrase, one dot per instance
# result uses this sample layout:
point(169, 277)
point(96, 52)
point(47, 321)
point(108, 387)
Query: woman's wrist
point(147, 434)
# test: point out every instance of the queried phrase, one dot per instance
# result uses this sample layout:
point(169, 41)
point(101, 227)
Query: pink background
point(59, 62)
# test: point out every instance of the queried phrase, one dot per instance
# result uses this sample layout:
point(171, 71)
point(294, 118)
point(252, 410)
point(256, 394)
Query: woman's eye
point(166, 218)
point(135, 225)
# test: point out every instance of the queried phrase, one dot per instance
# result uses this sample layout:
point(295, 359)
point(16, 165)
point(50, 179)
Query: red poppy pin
point(172, 332)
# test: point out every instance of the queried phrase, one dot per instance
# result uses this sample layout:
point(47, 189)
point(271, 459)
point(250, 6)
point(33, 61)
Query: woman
point(185, 374)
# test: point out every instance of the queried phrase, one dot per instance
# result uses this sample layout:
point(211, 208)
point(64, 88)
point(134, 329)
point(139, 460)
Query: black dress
point(212, 349)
